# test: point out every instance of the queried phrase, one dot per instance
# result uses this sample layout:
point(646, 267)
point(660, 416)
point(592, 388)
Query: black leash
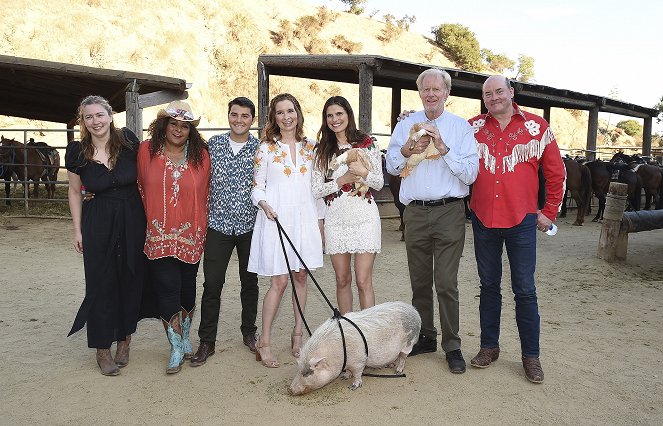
point(337, 314)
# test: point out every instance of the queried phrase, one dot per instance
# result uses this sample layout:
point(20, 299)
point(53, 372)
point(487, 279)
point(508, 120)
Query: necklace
point(176, 172)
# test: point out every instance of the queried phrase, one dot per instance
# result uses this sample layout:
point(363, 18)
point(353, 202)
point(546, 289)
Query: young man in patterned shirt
point(231, 220)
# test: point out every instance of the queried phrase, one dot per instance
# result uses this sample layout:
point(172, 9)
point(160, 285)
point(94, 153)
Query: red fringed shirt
point(507, 186)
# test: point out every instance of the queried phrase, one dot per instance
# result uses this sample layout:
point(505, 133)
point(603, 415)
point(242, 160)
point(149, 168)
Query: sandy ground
point(601, 347)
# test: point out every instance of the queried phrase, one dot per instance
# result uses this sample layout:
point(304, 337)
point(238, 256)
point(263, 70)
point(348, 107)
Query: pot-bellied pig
point(391, 329)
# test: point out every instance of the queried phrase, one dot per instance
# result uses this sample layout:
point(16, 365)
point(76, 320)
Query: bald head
point(498, 96)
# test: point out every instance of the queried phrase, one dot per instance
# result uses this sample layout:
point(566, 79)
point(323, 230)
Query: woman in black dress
point(109, 230)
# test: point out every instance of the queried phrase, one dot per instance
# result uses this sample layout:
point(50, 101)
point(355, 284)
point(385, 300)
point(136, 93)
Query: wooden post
point(546, 114)
point(365, 97)
point(646, 137)
point(133, 111)
point(395, 106)
point(612, 242)
point(263, 97)
point(592, 130)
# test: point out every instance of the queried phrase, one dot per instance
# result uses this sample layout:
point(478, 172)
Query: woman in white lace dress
point(282, 189)
point(352, 220)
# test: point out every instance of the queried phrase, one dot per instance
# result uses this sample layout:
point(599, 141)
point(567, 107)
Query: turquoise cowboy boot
point(174, 334)
point(187, 319)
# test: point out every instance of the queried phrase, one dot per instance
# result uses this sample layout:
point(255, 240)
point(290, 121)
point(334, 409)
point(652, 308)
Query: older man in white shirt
point(435, 214)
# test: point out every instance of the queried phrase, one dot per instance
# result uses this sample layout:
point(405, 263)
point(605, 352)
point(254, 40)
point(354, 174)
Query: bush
point(630, 127)
point(390, 31)
point(460, 44)
point(285, 36)
point(342, 43)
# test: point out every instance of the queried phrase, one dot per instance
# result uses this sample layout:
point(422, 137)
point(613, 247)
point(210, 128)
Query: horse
point(27, 163)
point(622, 172)
point(579, 183)
point(651, 177)
point(51, 159)
point(601, 173)
point(7, 172)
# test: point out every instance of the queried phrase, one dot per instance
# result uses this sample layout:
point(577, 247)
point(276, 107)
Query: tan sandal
point(296, 349)
point(264, 355)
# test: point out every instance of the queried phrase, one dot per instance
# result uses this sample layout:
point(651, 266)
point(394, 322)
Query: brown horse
point(651, 177)
point(579, 183)
point(51, 159)
point(26, 162)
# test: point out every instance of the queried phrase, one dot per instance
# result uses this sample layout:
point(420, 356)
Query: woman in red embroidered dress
point(352, 220)
point(173, 179)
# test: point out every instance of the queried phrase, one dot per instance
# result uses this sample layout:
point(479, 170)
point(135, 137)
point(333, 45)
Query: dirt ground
point(601, 344)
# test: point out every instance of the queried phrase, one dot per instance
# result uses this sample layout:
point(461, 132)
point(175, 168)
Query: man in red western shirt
point(512, 144)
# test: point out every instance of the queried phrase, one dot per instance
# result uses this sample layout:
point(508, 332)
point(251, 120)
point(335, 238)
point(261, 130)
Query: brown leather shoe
point(106, 363)
point(205, 350)
point(250, 341)
point(533, 369)
point(485, 357)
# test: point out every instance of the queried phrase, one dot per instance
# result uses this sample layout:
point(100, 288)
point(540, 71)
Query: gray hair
point(437, 72)
point(507, 82)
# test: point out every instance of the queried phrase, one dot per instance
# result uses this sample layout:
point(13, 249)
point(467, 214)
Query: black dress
point(113, 230)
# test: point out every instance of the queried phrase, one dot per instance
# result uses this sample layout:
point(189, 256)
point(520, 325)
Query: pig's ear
point(314, 362)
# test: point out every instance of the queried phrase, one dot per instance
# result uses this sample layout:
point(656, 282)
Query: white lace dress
point(286, 187)
point(352, 222)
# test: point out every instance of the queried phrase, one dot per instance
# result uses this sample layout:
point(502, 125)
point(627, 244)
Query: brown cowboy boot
point(122, 352)
point(106, 363)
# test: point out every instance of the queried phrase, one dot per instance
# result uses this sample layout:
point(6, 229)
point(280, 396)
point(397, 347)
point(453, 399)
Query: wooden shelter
point(369, 70)
point(52, 91)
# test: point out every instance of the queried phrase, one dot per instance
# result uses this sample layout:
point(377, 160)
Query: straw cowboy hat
point(179, 110)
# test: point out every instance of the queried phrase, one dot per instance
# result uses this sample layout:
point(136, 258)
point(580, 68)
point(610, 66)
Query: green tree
point(630, 127)
point(356, 6)
point(659, 107)
point(525, 68)
point(460, 44)
point(497, 62)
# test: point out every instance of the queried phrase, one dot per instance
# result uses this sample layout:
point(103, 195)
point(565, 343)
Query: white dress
point(287, 189)
point(352, 222)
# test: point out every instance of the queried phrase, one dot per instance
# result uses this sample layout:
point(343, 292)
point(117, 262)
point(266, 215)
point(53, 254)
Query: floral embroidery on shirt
point(533, 127)
point(478, 124)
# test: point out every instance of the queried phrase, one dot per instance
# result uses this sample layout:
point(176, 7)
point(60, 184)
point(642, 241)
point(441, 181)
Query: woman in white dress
point(352, 220)
point(282, 189)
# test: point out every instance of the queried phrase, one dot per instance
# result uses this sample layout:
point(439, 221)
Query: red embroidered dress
point(175, 201)
point(507, 186)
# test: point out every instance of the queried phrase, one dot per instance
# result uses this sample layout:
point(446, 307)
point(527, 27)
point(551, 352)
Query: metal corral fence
point(23, 204)
point(17, 199)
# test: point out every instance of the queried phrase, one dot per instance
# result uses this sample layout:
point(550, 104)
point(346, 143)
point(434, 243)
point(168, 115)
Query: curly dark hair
point(327, 142)
point(272, 129)
point(116, 140)
point(197, 144)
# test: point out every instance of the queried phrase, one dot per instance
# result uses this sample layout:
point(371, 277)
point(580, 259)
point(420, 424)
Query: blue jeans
point(520, 242)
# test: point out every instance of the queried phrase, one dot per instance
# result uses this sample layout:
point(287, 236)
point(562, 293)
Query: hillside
point(215, 46)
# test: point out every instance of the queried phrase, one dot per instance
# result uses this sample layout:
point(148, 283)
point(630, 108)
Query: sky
point(605, 48)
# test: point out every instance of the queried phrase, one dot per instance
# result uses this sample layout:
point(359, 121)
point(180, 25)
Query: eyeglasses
point(180, 113)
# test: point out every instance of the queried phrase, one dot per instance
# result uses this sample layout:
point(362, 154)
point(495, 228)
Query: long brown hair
point(197, 144)
point(116, 140)
point(272, 129)
point(327, 141)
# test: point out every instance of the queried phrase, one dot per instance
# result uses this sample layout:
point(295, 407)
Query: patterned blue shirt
point(231, 181)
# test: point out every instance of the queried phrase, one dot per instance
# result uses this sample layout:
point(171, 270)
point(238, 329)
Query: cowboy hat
point(179, 110)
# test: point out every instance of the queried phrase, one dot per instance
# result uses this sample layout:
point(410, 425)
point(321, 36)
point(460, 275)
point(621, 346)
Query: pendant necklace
point(176, 172)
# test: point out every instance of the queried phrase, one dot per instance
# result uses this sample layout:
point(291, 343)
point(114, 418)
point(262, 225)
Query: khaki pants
point(434, 240)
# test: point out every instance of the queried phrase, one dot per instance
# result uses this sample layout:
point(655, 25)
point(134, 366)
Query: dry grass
point(215, 46)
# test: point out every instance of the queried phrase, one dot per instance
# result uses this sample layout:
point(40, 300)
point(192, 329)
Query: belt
point(434, 203)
